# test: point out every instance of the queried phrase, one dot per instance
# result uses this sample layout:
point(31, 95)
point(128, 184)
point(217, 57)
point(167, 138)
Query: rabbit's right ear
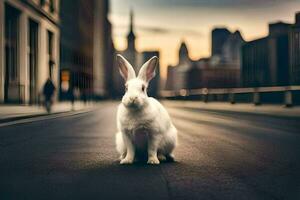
point(125, 68)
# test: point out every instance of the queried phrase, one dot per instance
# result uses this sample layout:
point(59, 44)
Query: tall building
point(154, 86)
point(231, 50)
point(29, 48)
point(184, 65)
point(183, 54)
point(86, 49)
point(218, 38)
point(102, 62)
point(76, 60)
point(177, 77)
point(294, 46)
point(279, 53)
point(130, 53)
point(255, 63)
point(265, 61)
point(131, 42)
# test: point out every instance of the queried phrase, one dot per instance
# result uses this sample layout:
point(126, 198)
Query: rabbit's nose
point(133, 99)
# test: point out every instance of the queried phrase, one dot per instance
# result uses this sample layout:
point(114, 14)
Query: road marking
point(46, 117)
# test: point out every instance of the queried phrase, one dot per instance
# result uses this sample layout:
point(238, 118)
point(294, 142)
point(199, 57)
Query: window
point(33, 59)
point(42, 2)
point(51, 61)
point(11, 43)
point(51, 6)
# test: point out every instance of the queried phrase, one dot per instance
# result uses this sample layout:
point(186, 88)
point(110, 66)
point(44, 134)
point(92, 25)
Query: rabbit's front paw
point(126, 161)
point(153, 161)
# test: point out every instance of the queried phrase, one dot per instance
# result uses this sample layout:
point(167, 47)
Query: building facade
point(29, 48)
point(86, 49)
point(103, 50)
point(76, 60)
point(218, 38)
point(255, 63)
point(265, 61)
point(294, 47)
point(279, 53)
point(231, 50)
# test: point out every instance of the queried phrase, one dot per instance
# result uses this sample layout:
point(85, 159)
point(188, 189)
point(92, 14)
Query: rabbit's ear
point(147, 71)
point(125, 68)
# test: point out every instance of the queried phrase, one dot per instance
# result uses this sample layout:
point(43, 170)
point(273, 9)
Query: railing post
point(256, 97)
point(205, 95)
point(288, 98)
point(232, 98)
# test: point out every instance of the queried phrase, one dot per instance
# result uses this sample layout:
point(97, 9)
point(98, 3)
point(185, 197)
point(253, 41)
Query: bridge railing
point(286, 95)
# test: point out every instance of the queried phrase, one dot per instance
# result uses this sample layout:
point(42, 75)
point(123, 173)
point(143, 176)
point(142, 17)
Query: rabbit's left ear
point(125, 68)
point(147, 71)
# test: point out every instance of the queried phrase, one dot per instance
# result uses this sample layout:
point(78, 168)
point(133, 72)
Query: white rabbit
point(143, 123)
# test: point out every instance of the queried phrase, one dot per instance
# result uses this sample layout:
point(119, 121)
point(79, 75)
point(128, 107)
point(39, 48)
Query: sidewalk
point(275, 110)
point(16, 112)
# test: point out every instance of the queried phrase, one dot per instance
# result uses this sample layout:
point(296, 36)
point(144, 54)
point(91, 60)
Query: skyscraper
point(265, 60)
point(130, 53)
point(218, 38)
point(86, 48)
point(294, 46)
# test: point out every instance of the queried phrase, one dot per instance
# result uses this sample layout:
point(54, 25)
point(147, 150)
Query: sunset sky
point(163, 24)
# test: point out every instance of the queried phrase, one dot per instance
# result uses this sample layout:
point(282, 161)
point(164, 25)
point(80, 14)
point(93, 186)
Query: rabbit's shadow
point(143, 162)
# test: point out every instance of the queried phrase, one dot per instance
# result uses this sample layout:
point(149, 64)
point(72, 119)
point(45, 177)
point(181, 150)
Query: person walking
point(48, 92)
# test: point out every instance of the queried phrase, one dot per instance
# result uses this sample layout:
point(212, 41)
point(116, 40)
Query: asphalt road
point(221, 155)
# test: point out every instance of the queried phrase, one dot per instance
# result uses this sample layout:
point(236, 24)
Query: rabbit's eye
point(143, 88)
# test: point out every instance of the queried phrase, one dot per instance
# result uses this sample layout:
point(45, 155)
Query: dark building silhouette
point(86, 49)
point(171, 78)
point(221, 70)
point(218, 38)
point(130, 53)
point(183, 54)
point(231, 50)
point(279, 53)
point(255, 63)
point(265, 61)
point(77, 21)
point(183, 67)
point(294, 46)
point(154, 86)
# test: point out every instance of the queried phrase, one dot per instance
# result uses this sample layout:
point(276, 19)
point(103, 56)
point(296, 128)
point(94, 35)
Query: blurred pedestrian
point(48, 92)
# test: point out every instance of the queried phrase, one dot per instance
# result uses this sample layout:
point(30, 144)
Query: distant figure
point(48, 92)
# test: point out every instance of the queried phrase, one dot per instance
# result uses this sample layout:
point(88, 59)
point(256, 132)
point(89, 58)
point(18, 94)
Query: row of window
point(12, 40)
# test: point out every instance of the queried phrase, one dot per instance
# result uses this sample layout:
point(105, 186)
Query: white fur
point(141, 120)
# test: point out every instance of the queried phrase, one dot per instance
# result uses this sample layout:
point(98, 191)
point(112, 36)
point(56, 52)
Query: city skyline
point(155, 26)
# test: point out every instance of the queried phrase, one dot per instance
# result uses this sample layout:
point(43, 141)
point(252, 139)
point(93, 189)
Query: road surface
point(221, 155)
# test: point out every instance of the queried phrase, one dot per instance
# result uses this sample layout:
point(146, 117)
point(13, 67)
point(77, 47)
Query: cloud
point(160, 30)
point(156, 30)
